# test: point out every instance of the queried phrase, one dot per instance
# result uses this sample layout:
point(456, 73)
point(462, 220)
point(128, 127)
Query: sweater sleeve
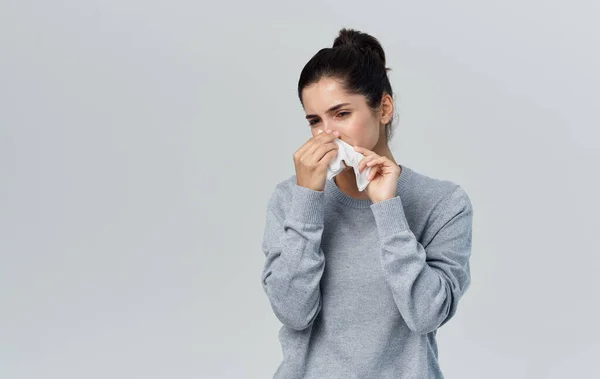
point(426, 281)
point(294, 261)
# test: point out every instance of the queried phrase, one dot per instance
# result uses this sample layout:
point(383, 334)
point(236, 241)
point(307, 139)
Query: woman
point(361, 280)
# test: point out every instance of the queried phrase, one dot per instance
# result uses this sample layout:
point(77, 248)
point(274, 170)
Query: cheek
point(355, 125)
point(363, 131)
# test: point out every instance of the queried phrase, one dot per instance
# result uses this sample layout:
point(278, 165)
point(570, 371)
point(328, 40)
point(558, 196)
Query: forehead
point(327, 92)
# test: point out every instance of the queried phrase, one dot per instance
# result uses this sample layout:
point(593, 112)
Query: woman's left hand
point(383, 176)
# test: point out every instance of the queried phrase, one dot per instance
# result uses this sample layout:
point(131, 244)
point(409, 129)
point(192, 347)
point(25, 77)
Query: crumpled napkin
point(352, 157)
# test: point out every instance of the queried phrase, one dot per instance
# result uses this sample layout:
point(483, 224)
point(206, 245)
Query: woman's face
point(328, 106)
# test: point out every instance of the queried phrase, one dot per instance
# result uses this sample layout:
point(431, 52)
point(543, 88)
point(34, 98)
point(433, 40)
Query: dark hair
point(358, 61)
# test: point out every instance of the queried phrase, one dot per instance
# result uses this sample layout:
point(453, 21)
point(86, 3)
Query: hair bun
point(360, 41)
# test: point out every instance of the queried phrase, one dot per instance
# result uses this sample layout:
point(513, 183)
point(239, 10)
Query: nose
point(326, 126)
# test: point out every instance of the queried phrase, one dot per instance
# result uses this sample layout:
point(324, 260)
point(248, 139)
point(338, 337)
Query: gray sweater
point(361, 287)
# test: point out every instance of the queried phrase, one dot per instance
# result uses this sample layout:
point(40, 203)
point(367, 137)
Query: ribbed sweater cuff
point(389, 216)
point(308, 206)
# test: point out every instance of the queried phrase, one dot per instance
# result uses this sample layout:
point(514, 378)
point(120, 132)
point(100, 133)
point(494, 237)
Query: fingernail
point(328, 131)
point(336, 133)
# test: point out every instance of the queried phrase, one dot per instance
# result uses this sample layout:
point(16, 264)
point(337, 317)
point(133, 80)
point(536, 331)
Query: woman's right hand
point(311, 160)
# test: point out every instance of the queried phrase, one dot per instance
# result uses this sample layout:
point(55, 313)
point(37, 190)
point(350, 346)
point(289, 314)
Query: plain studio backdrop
point(141, 140)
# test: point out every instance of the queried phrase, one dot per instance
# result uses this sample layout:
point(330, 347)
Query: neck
point(346, 180)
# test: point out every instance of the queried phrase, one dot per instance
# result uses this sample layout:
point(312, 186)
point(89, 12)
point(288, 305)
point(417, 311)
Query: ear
point(386, 110)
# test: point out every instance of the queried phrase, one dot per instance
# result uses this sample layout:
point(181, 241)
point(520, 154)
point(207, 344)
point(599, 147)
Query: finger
point(373, 173)
point(313, 143)
point(306, 146)
point(383, 164)
point(378, 161)
point(363, 162)
point(324, 149)
point(319, 140)
point(328, 157)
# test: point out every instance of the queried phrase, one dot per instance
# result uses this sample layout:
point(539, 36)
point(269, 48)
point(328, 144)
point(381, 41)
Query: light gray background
point(140, 141)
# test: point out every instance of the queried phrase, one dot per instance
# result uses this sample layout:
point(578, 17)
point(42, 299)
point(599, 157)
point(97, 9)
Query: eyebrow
point(332, 109)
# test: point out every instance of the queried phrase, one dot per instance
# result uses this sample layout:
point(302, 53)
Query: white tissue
point(352, 157)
